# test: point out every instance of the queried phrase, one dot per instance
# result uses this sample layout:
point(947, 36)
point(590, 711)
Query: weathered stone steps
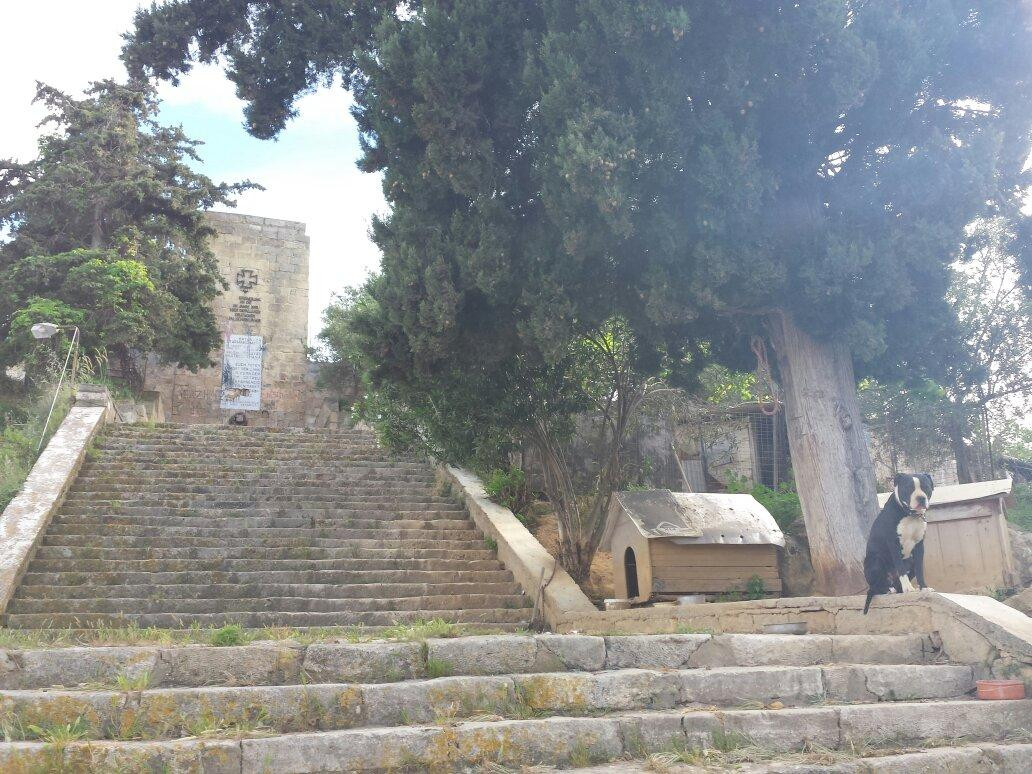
point(396, 521)
point(47, 553)
point(298, 541)
point(491, 617)
point(211, 525)
point(283, 662)
point(384, 587)
point(185, 605)
point(332, 570)
point(73, 532)
point(170, 712)
point(548, 741)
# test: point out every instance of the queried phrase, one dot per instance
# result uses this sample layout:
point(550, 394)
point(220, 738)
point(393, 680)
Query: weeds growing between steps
point(232, 634)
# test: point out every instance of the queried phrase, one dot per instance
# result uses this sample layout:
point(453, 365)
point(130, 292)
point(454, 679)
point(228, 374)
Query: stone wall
point(263, 318)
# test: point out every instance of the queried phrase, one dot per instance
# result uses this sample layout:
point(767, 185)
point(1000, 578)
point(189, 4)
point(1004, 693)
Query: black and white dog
point(895, 549)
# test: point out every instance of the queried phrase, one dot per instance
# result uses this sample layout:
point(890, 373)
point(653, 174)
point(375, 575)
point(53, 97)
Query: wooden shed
point(665, 544)
point(967, 547)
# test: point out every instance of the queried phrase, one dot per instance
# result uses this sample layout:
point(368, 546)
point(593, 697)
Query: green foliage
point(22, 424)
point(754, 588)
point(692, 171)
point(1020, 515)
point(107, 231)
point(782, 503)
point(436, 667)
point(231, 634)
point(508, 488)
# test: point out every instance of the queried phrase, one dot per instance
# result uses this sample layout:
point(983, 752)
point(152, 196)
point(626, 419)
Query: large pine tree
point(800, 175)
point(107, 231)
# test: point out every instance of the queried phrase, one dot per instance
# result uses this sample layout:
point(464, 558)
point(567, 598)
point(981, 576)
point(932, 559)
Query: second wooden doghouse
point(667, 544)
point(967, 546)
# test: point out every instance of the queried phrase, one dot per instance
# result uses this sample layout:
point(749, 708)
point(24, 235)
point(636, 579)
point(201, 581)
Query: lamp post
point(47, 330)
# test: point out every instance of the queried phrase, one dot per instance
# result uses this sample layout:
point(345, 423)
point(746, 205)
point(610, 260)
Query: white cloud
point(64, 43)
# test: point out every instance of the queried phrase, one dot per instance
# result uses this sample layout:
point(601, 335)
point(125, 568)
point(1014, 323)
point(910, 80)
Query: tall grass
point(22, 418)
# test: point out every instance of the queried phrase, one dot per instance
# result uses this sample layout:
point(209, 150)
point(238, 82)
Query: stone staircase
point(173, 526)
point(504, 702)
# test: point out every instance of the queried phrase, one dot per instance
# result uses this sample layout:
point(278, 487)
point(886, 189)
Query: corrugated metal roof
point(697, 517)
point(961, 493)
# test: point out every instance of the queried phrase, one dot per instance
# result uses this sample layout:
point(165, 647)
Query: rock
point(430, 701)
point(571, 651)
point(897, 682)
point(1021, 548)
point(714, 686)
point(949, 720)
point(794, 566)
point(881, 649)
point(373, 662)
point(257, 664)
point(376, 749)
point(961, 760)
point(785, 729)
point(670, 651)
point(47, 667)
point(1021, 601)
point(762, 650)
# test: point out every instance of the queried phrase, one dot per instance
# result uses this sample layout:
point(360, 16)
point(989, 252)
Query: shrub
point(231, 634)
point(782, 503)
point(508, 488)
point(1021, 514)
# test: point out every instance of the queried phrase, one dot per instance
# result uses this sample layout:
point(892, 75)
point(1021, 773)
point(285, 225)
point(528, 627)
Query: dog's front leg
point(918, 558)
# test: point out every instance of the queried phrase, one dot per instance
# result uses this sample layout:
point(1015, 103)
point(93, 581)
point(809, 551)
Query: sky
point(309, 172)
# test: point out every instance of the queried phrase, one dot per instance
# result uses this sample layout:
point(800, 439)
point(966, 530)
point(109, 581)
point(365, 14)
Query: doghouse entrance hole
point(630, 572)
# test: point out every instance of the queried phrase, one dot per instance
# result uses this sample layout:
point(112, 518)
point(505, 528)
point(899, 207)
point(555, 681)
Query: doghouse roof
point(961, 493)
point(695, 517)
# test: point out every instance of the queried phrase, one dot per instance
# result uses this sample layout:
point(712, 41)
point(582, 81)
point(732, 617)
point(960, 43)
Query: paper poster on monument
point(242, 373)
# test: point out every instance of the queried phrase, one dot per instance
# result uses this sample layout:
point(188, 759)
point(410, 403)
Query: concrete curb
point(28, 515)
point(520, 552)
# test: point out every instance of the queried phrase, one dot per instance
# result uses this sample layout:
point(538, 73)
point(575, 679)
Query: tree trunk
point(961, 453)
point(830, 457)
point(97, 240)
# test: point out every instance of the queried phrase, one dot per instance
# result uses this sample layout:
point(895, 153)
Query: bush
point(508, 488)
point(1021, 514)
point(21, 425)
point(782, 503)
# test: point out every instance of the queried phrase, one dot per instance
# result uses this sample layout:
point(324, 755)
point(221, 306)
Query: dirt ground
point(600, 581)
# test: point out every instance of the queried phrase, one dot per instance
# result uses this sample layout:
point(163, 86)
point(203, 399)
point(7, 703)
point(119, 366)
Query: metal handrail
point(60, 381)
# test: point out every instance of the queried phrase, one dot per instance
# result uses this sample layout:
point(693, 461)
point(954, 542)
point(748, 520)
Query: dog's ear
point(901, 479)
point(926, 483)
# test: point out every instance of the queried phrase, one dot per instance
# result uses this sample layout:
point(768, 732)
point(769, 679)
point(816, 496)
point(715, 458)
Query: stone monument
point(262, 369)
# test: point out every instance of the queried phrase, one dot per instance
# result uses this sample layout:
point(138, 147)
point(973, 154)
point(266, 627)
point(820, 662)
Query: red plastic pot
point(996, 690)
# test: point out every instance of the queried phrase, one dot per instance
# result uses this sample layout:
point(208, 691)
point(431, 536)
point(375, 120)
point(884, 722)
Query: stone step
point(45, 553)
point(215, 541)
point(555, 741)
point(395, 521)
point(70, 533)
point(283, 662)
point(298, 460)
point(169, 713)
point(255, 491)
point(72, 572)
point(984, 758)
point(189, 607)
point(384, 589)
point(237, 509)
point(493, 617)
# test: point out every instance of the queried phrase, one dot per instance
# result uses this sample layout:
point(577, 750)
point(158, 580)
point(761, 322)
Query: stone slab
point(27, 516)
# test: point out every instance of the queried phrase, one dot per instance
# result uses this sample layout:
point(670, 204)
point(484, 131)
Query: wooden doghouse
point(666, 544)
point(967, 547)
